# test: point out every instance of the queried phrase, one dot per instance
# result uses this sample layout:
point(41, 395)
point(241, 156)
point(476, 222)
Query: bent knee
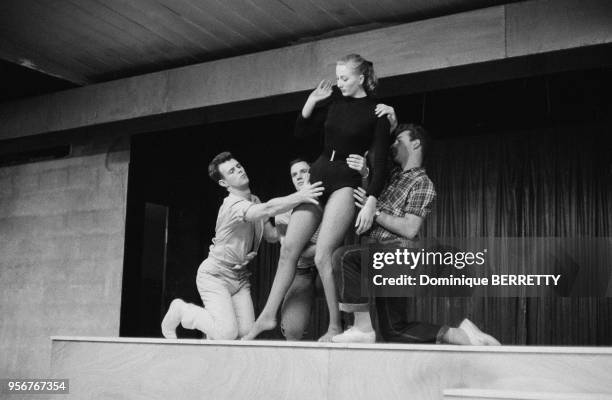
point(323, 261)
point(293, 335)
point(224, 331)
point(291, 331)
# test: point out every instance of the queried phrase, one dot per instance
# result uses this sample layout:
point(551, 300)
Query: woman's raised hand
point(322, 91)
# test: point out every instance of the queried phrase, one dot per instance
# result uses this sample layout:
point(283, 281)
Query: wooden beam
point(466, 39)
point(541, 26)
point(400, 85)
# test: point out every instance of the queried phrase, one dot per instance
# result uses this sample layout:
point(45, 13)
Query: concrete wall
point(61, 255)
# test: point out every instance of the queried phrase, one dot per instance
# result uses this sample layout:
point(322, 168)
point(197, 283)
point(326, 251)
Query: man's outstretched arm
point(307, 194)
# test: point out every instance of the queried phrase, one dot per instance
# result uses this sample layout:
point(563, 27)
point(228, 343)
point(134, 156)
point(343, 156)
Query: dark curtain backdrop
point(553, 182)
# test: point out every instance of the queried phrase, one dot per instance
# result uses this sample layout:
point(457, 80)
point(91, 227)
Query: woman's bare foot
point(331, 332)
point(263, 323)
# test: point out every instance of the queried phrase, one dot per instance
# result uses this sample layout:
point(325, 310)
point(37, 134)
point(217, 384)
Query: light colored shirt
point(282, 220)
point(234, 236)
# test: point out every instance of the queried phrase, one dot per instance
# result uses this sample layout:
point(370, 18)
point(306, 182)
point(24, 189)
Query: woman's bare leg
point(337, 218)
point(303, 224)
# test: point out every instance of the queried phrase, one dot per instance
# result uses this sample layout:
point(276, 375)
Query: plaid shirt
point(406, 192)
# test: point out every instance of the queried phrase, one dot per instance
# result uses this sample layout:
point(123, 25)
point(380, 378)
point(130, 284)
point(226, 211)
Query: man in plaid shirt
point(401, 209)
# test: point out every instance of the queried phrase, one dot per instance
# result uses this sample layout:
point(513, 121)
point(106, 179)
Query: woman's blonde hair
point(362, 67)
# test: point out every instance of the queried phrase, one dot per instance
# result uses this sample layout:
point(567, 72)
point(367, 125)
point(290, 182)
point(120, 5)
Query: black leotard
point(350, 127)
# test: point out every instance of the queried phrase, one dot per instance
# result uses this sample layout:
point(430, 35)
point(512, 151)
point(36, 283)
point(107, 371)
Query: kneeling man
point(222, 280)
point(401, 209)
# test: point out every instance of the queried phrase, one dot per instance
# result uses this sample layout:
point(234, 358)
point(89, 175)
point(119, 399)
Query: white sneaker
point(172, 319)
point(355, 335)
point(476, 336)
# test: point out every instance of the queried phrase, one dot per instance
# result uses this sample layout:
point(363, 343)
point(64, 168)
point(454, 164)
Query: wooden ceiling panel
point(313, 14)
point(136, 26)
point(198, 27)
point(23, 56)
point(203, 18)
point(249, 11)
point(294, 23)
point(100, 34)
point(379, 11)
point(90, 37)
point(237, 22)
point(97, 40)
point(109, 37)
point(47, 40)
point(343, 12)
point(162, 27)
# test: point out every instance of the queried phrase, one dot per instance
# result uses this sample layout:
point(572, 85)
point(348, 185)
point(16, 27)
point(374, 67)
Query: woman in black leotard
point(348, 121)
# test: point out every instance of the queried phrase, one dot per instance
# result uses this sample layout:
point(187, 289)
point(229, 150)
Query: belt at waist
point(334, 155)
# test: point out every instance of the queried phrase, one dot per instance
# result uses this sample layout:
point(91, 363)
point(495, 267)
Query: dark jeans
point(393, 322)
